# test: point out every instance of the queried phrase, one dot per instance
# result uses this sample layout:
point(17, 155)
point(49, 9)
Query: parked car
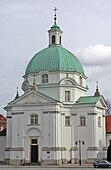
point(101, 164)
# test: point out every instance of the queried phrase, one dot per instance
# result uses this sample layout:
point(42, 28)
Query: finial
point(17, 95)
point(97, 93)
point(97, 85)
point(55, 18)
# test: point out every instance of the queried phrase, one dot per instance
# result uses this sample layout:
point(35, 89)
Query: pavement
point(50, 166)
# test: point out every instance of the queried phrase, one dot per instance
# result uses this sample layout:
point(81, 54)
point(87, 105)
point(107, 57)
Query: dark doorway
point(109, 153)
point(34, 153)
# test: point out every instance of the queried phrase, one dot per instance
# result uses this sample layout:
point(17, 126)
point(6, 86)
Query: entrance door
point(34, 153)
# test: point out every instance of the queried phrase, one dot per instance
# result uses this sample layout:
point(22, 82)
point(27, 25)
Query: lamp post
point(79, 142)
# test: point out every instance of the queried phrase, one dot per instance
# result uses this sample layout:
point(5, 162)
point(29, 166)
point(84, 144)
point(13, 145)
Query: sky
point(86, 26)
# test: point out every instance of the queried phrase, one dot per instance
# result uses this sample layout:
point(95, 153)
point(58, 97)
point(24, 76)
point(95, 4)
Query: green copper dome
point(54, 58)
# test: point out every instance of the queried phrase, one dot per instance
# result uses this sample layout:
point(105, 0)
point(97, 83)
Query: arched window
point(99, 121)
point(34, 119)
point(60, 39)
point(82, 121)
point(80, 80)
point(44, 78)
point(53, 39)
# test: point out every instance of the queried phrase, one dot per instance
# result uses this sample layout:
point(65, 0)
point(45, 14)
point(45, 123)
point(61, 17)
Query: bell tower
point(55, 33)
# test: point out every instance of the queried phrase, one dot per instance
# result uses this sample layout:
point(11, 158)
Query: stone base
point(48, 161)
point(52, 162)
point(83, 161)
point(14, 161)
point(64, 161)
point(74, 161)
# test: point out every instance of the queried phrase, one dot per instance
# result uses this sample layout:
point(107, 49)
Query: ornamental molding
point(92, 113)
point(54, 149)
point(9, 117)
point(51, 112)
point(62, 114)
point(74, 114)
point(74, 149)
point(15, 113)
point(33, 98)
point(14, 149)
point(92, 148)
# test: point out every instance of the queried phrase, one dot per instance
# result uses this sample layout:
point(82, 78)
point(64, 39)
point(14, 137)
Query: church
point(54, 121)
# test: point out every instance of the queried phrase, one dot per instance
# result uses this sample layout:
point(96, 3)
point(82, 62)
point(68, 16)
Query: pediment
point(101, 103)
point(33, 98)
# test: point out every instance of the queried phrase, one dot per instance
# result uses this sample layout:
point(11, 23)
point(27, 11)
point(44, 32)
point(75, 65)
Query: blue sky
point(86, 26)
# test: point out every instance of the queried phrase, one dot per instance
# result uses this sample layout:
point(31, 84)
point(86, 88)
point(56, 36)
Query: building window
point(80, 80)
point(34, 141)
point(82, 121)
point(60, 39)
point(34, 119)
point(53, 39)
point(99, 121)
point(44, 78)
point(67, 96)
point(67, 120)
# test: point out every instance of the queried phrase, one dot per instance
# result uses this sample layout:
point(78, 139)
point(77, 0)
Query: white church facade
point(54, 116)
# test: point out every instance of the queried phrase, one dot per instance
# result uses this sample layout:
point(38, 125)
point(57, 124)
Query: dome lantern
point(54, 58)
point(55, 33)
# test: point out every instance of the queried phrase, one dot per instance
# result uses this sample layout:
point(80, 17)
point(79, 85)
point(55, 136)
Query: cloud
point(98, 55)
point(96, 61)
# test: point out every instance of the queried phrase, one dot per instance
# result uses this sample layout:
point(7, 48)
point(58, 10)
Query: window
point(44, 78)
point(67, 120)
point(82, 121)
point(60, 39)
point(53, 39)
point(67, 96)
point(99, 121)
point(34, 119)
point(80, 80)
point(34, 141)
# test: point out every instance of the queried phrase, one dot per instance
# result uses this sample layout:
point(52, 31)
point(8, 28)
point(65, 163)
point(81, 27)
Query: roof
point(2, 117)
point(54, 58)
point(87, 100)
point(55, 26)
point(108, 123)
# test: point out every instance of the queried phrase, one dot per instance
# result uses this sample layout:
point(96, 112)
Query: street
point(45, 168)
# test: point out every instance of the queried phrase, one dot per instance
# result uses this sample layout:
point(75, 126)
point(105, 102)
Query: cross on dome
point(55, 18)
point(96, 84)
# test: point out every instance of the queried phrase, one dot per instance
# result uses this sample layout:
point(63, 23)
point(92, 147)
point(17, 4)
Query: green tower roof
point(55, 26)
point(54, 58)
